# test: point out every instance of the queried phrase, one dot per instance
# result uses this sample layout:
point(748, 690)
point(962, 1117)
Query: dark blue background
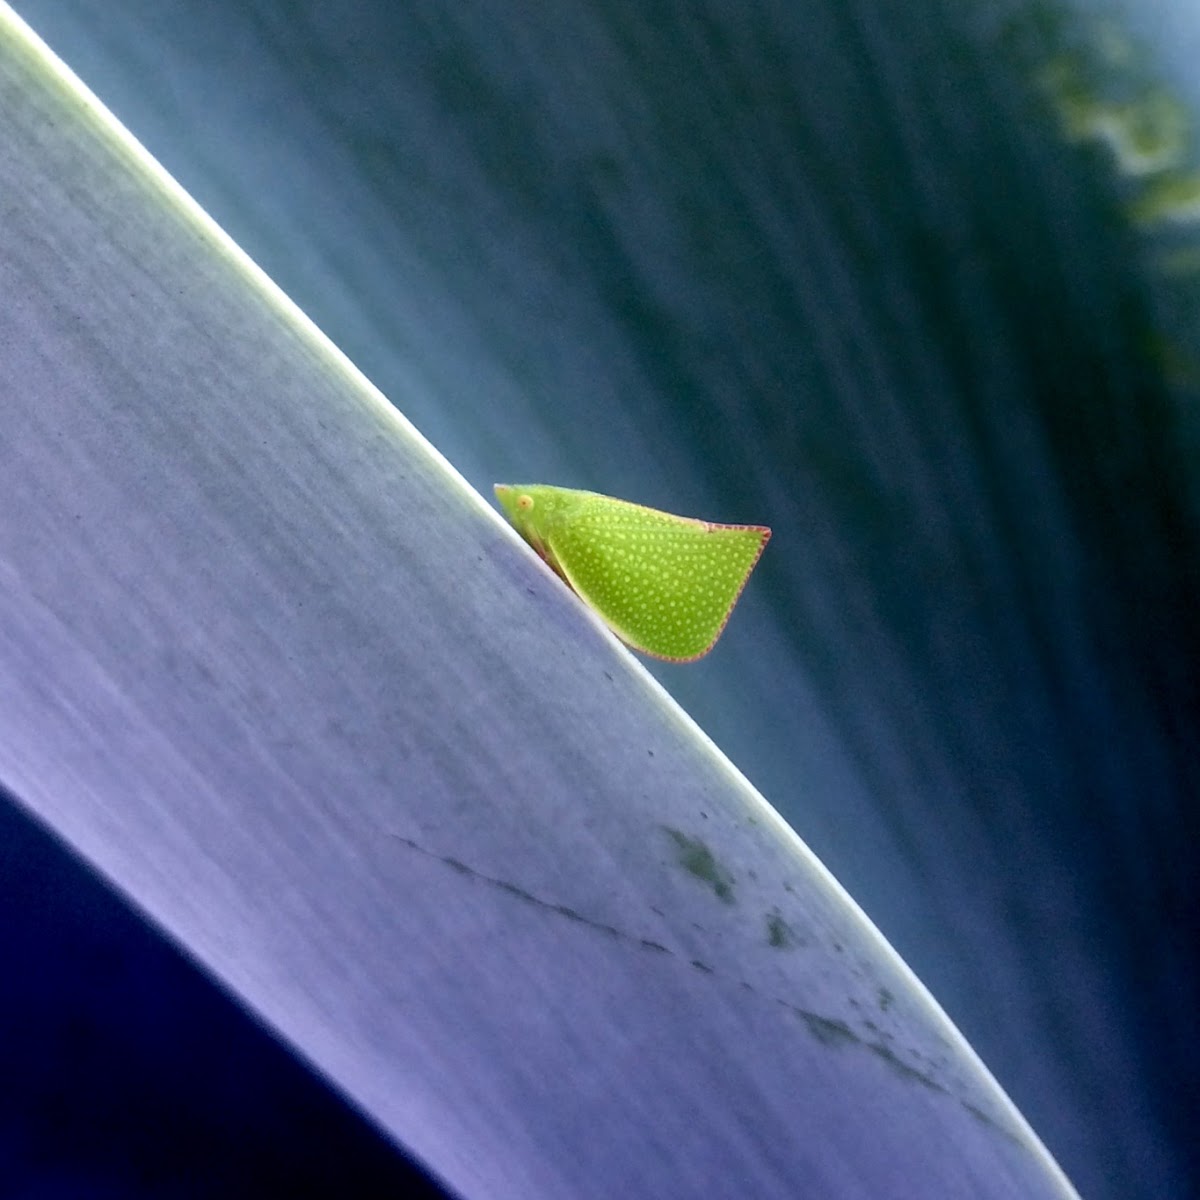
point(126, 1073)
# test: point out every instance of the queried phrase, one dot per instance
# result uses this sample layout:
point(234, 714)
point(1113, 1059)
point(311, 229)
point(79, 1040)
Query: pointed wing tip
point(764, 536)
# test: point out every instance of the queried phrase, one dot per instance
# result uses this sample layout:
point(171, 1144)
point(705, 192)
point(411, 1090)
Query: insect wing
point(664, 584)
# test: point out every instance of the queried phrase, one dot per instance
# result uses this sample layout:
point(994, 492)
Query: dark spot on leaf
point(697, 858)
point(779, 932)
point(649, 945)
point(827, 1031)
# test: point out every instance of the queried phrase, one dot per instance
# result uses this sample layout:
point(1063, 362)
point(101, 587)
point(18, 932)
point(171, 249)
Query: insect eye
point(525, 503)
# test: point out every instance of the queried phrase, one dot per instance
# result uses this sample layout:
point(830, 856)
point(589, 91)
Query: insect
point(665, 585)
